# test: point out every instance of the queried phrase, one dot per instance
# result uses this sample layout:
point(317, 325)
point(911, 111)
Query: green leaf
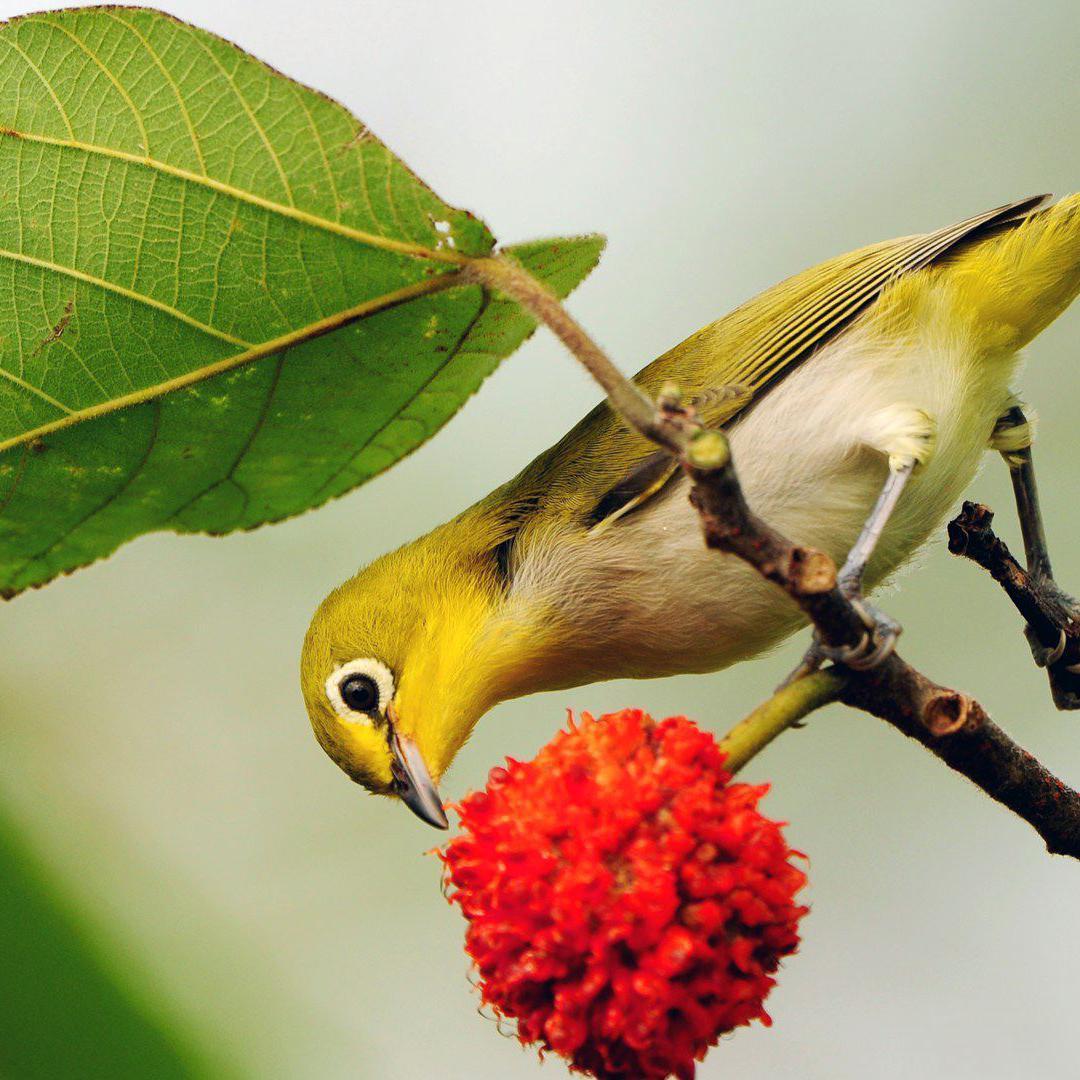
point(227, 301)
point(67, 1010)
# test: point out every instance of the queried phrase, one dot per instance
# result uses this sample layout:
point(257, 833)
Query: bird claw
point(1066, 616)
point(1059, 660)
point(1064, 676)
point(1045, 657)
point(875, 646)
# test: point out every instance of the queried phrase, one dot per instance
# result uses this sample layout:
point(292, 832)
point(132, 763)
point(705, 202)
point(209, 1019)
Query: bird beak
point(412, 781)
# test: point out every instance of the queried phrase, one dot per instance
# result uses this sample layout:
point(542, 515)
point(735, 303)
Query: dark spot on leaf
point(361, 136)
point(57, 332)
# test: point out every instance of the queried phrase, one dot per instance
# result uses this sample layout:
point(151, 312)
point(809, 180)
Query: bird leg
point(881, 630)
point(1012, 438)
point(906, 435)
point(851, 573)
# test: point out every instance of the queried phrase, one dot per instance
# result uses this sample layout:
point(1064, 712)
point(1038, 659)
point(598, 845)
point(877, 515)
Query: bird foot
point(1065, 611)
point(1062, 659)
point(875, 646)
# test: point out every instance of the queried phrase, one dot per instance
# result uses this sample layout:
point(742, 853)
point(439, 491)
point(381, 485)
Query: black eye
point(360, 693)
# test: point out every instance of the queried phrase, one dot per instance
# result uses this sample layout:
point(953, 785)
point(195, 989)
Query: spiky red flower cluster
point(626, 904)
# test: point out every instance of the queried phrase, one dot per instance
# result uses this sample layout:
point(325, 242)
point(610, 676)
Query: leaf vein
point(230, 473)
point(152, 52)
point(108, 501)
point(451, 355)
point(36, 391)
point(297, 93)
point(20, 470)
point(48, 85)
point(383, 243)
point(107, 73)
point(120, 290)
point(245, 105)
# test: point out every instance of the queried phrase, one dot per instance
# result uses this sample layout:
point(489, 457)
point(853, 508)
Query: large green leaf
point(225, 301)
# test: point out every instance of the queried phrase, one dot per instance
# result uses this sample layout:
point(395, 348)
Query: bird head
point(401, 661)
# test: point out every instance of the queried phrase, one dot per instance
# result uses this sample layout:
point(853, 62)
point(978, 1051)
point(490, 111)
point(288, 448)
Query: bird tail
point(1019, 279)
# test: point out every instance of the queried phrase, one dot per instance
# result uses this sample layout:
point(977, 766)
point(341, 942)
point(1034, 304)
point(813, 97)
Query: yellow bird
point(859, 397)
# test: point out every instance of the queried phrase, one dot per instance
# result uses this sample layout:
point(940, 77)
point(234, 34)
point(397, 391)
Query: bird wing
point(745, 353)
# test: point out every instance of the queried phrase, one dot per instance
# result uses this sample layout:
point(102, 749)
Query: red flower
point(626, 904)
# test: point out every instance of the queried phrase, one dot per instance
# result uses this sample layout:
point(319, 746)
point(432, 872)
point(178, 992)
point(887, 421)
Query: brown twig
point(950, 724)
point(973, 745)
point(806, 575)
point(1053, 629)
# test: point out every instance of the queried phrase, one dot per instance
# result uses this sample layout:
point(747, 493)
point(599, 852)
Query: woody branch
point(1052, 627)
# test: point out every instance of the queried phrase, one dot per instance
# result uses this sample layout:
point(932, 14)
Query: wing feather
point(759, 343)
point(829, 297)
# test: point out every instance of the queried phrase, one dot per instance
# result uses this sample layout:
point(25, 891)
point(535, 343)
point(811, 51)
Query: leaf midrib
point(251, 351)
point(339, 320)
point(174, 515)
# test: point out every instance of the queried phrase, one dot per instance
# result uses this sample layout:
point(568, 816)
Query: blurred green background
point(199, 892)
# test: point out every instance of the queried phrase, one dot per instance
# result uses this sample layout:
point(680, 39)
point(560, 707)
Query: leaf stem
point(631, 403)
point(784, 709)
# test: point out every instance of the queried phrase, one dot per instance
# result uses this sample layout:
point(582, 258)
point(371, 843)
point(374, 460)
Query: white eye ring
point(375, 670)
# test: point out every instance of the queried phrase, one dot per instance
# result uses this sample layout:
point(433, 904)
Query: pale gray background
point(153, 734)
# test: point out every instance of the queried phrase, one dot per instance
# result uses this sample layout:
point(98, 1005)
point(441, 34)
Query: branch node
point(708, 450)
point(1052, 616)
point(670, 399)
point(810, 572)
point(972, 524)
point(949, 711)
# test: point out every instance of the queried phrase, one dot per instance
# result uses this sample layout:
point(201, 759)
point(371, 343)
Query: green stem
point(786, 707)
